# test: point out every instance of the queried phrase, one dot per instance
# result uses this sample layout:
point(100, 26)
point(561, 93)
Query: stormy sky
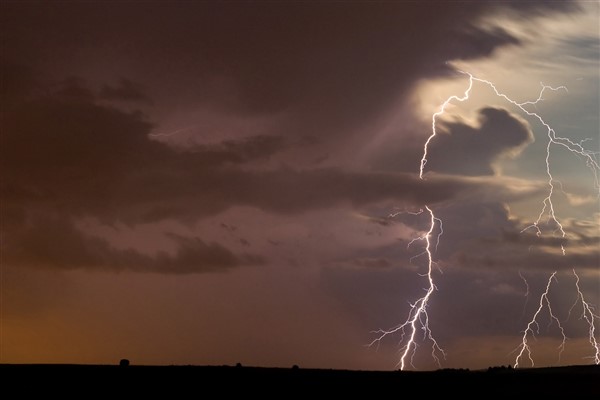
point(219, 182)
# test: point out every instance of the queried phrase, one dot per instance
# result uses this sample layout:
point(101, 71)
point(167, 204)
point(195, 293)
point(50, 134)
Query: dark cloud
point(515, 257)
point(463, 149)
point(55, 243)
point(482, 237)
point(243, 150)
point(537, 7)
point(18, 82)
point(474, 43)
point(372, 262)
point(530, 238)
point(380, 221)
point(477, 311)
point(193, 194)
point(584, 232)
point(84, 158)
point(79, 158)
point(62, 149)
point(467, 303)
point(68, 153)
point(337, 66)
point(65, 156)
point(124, 90)
point(494, 240)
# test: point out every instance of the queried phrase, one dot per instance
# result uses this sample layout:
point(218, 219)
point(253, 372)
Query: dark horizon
point(567, 381)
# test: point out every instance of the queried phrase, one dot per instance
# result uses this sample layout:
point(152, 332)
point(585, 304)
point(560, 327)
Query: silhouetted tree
point(124, 363)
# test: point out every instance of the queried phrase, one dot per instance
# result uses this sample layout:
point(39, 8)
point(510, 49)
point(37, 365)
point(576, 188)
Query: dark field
point(93, 381)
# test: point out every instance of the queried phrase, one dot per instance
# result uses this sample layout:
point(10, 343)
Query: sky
point(213, 182)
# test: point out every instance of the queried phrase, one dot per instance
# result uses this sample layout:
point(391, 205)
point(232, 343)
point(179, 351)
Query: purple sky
point(213, 182)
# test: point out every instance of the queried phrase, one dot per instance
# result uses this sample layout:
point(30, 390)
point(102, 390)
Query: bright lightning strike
point(547, 204)
point(418, 311)
point(553, 139)
point(417, 317)
point(434, 118)
point(422, 238)
point(530, 331)
point(589, 316)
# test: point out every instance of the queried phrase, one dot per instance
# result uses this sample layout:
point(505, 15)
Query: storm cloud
point(469, 150)
point(225, 183)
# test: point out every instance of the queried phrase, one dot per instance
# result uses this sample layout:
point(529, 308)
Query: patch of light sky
point(557, 50)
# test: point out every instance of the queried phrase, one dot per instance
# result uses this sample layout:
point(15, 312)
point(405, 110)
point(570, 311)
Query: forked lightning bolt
point(533, 327)
point(547, 204)
point(589, 316)
point(418, 316)
point(573, 147)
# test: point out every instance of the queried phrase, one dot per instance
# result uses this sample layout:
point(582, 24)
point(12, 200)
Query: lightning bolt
point(434, 118)
point(524, 348)
point(526, 295)
point(418, 316)
point(553, 139)
point(547, 204)
point(587, 314)
point(418, 311)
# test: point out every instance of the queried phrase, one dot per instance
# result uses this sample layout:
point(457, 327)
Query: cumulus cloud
point(55, 243)
point(494, 240)
point(481, 236)
point(472, 150)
